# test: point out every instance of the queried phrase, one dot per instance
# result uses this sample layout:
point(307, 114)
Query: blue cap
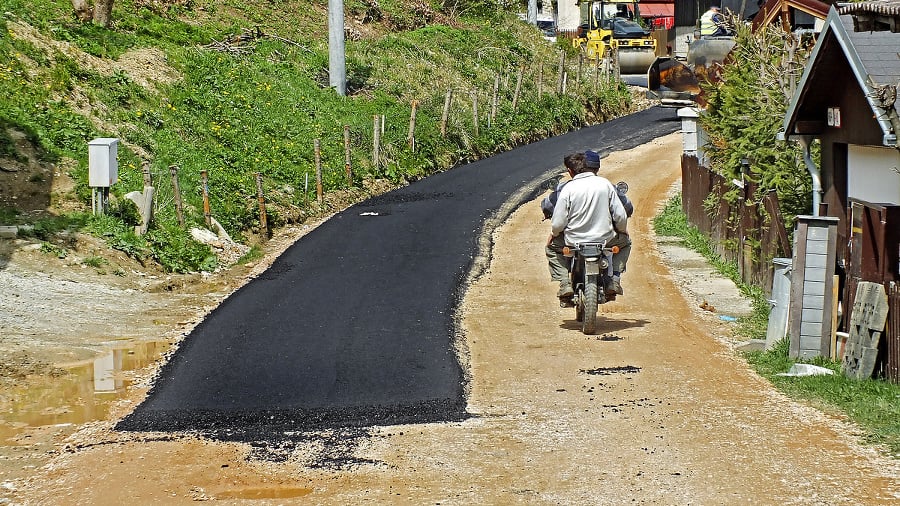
point(591, 159)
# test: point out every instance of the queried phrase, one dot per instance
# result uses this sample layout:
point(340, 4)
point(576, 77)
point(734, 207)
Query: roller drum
point(636, 60)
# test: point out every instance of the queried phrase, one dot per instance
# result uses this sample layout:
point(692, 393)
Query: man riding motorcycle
point(587, 209)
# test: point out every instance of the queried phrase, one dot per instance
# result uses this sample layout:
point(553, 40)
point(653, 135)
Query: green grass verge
point(872, 404)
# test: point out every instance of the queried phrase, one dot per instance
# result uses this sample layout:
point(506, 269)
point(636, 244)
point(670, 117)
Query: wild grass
point(872, 404)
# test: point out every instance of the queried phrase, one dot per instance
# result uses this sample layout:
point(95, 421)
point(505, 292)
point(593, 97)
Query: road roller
point(614, 24)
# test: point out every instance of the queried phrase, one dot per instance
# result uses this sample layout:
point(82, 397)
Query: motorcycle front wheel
point(589, 301)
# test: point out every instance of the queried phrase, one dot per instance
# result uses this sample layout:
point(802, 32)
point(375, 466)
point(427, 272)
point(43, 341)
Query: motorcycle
point(591, 272)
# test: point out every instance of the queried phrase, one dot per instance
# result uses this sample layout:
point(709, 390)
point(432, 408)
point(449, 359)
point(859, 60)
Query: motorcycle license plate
point(592, 267)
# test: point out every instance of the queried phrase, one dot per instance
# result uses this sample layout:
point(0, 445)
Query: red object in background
point(663, 23)
point(658, 15)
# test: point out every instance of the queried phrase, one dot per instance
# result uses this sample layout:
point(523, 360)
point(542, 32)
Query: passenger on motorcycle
point(622, 240)
point(587, 209)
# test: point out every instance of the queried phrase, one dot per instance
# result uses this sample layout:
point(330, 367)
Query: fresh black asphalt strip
point(355, 324)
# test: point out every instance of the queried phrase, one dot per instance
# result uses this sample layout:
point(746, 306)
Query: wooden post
point(376, 141)
point(615, 65)
point(540, 81)
point(596, 74)
point(446, 114)
point(263, 221)
point(475, 111)
point(411, 135)
point(173, 169)
point(320, 194)
point(835, 300)
point(578, 72)
point(148, 190)
point(347, 168)
point(207, 215)
point(494, 100)
point(515, 103)
point(560, 73)
point(145, 169)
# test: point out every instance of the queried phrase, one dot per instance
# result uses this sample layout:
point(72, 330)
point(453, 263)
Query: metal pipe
point(814, 173)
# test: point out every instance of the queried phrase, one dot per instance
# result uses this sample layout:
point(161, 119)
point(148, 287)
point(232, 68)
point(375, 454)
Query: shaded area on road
point(354, 324)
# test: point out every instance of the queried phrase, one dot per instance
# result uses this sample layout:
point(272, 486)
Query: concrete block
point(813, 301)
point(812, 316)
point(813, 288)
point(817, 260)
point(813, 274)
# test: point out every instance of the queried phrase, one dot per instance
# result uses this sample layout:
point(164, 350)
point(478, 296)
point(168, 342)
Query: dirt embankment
point(656, 409)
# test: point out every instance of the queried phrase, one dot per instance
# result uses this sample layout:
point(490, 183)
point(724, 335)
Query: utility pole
point(337, 70)
point(532, 12)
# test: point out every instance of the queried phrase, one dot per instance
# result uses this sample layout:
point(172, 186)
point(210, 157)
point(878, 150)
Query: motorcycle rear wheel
point(589, 301)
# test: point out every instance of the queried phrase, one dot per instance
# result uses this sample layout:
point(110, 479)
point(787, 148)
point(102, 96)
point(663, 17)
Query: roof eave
point(834, 25)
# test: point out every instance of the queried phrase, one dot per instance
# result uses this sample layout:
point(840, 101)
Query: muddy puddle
point(83, 393)
point(264, 493)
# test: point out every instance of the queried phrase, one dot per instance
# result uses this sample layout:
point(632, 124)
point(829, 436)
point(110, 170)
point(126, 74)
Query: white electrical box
point(103, 162)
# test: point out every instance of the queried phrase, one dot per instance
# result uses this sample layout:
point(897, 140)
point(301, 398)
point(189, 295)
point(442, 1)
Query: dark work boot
point(565, 289)
point(615, 286)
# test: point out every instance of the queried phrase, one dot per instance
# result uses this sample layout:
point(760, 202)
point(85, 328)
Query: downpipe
point(814, 173)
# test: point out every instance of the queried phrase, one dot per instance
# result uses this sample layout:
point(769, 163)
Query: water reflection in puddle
point(83, 394)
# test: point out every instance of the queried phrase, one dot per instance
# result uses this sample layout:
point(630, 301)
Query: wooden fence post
point(411, 136)
point(494, 101)
point(578, 72)
point(475, 111)
point(347, 168)
point(560, 78)
point(540, 81)
point(445, 115)
point(263, 220)
point(615, 64)
point(173, 169)
point(515, 103)
point(145, 169)
point(207, 215)
point(320, 193)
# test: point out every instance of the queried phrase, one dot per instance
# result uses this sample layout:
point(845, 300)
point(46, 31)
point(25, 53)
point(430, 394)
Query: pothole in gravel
point(606, 371)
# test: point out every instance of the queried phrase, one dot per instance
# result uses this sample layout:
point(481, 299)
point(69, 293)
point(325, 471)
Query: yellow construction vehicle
point(608, 24)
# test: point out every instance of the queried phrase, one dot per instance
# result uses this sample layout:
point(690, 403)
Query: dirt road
point(657, 409)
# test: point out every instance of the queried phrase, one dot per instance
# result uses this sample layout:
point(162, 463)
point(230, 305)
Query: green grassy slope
point(236, 88)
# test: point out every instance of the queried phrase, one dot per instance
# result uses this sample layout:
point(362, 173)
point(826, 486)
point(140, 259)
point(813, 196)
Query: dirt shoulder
point(657, 408)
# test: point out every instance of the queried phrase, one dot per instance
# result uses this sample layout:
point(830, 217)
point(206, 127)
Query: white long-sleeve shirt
point(587, 210)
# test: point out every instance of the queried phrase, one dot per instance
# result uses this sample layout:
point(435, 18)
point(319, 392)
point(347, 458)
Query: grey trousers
point(559, 263)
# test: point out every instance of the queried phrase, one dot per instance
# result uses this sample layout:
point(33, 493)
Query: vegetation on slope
point(235, 88)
